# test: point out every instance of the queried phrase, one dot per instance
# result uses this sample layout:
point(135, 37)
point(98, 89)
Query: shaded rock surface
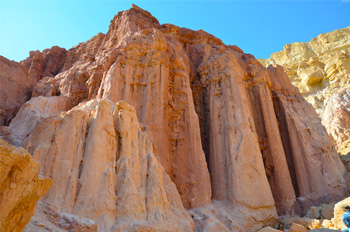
point(20, 187)
point(210, 130)
point(16, 88)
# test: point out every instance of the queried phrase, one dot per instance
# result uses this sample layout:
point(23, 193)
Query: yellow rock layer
point(20, 187)
point(320, 69)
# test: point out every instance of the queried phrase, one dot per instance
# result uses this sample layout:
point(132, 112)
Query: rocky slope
point(20, 187)
point(321, 70)
point(138, 125)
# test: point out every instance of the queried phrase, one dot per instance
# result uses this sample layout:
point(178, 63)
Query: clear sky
point(258, 27)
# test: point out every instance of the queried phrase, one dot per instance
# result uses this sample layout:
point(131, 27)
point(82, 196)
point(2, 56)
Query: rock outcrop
point(321, 70)
point(30, 115)
point(105, 170)
point(315, 220)
point(306, 145)
point(46, 63)
point(47, 218)
point(338, 213)
point(201, 126)
point(16, 88)
point(20, 187)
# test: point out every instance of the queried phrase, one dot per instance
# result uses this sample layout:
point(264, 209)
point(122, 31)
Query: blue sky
point(258, 27)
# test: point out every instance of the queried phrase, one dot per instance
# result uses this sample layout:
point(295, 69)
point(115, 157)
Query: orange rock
point(306, 222)
point(297, 228)
point(338, 213)
point(20, 187)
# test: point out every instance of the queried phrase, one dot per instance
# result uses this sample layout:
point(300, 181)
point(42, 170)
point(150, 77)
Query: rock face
point(209, 130)
point(46, 63)
point(30, 114)
point(306, 145)
point(20, 187)
point(105, 170)
point(321, 70)
point(16, 87)
point(336, 118)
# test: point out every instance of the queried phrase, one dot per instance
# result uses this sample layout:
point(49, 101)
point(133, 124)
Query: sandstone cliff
point(105, 170)
point(20, 187)
point(321, 70)
point(208, 129)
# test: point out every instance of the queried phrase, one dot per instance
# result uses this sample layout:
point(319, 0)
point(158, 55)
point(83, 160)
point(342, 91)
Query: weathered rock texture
point(20, 187)
point(105, 170)
point(30, 114)
point(321, 70)
point(46, 63)
point(16, 87)
point(237, 140)
point(336, 119)
point(306, 145)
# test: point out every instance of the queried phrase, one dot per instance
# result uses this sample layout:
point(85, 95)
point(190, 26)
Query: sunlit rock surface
point(105, 170)
point(162, 128)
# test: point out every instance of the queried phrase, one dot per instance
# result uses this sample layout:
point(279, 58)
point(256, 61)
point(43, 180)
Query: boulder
point(20, 187)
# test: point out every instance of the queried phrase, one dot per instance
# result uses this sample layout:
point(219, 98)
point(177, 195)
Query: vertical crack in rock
point(235, 162)
point(280, 115)
point(314, 156)
point(271, 147)
point(151, 73)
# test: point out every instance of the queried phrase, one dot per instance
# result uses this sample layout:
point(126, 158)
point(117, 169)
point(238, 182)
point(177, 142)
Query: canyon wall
point(321, 70)
point(157, 127)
